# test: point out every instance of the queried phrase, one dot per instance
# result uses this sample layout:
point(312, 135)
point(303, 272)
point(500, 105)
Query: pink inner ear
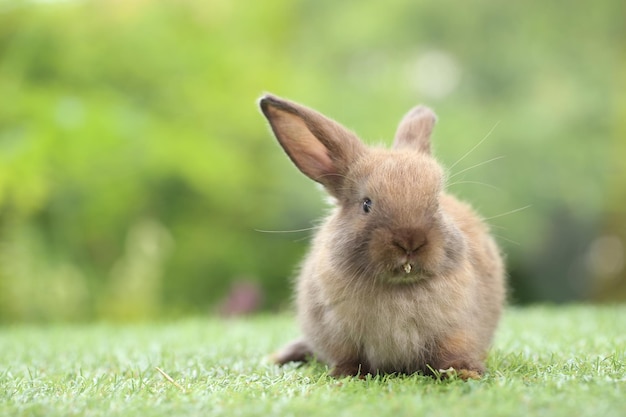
point(316, 163)
point(305, 150)
point(309, 155)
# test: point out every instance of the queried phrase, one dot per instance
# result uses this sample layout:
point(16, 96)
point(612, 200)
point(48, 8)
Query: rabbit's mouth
point(407, 273)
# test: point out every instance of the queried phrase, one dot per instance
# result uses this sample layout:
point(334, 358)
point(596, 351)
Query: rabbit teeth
point(407, 268)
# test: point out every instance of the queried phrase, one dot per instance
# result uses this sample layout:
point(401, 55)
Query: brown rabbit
point(401, 277)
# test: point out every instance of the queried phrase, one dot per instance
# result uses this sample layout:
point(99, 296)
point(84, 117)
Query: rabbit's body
point(401, 277)
point(399, 324)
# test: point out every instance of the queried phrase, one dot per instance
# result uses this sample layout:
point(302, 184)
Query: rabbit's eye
point(367, 205)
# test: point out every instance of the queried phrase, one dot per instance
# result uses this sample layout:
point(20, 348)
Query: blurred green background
point(137, 175)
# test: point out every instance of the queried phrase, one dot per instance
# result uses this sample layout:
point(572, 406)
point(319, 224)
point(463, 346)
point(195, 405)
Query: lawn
point(552, 361)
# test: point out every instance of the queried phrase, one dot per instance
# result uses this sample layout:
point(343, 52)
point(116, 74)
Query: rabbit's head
point(389, 226)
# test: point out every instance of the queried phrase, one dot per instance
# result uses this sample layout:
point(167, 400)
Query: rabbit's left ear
point(320, 147)
point(415, 129)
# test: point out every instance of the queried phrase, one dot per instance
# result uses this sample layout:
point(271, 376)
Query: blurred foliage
point(136, 172)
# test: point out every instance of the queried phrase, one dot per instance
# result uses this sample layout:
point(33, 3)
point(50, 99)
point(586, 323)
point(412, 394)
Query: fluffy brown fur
point(401, 277)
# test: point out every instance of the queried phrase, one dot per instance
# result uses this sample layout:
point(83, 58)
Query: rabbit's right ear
point(415, 129)
point(320, 147)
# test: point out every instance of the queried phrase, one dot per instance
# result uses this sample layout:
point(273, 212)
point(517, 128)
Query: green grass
point(552, 361)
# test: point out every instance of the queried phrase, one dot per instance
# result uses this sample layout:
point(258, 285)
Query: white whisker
point(508, 212)
point(475, 166)
point(475, 182)
point(475, 146)
point(286, 231)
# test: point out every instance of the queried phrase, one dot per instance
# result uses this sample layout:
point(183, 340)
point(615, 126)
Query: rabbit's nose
point(409, 240)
